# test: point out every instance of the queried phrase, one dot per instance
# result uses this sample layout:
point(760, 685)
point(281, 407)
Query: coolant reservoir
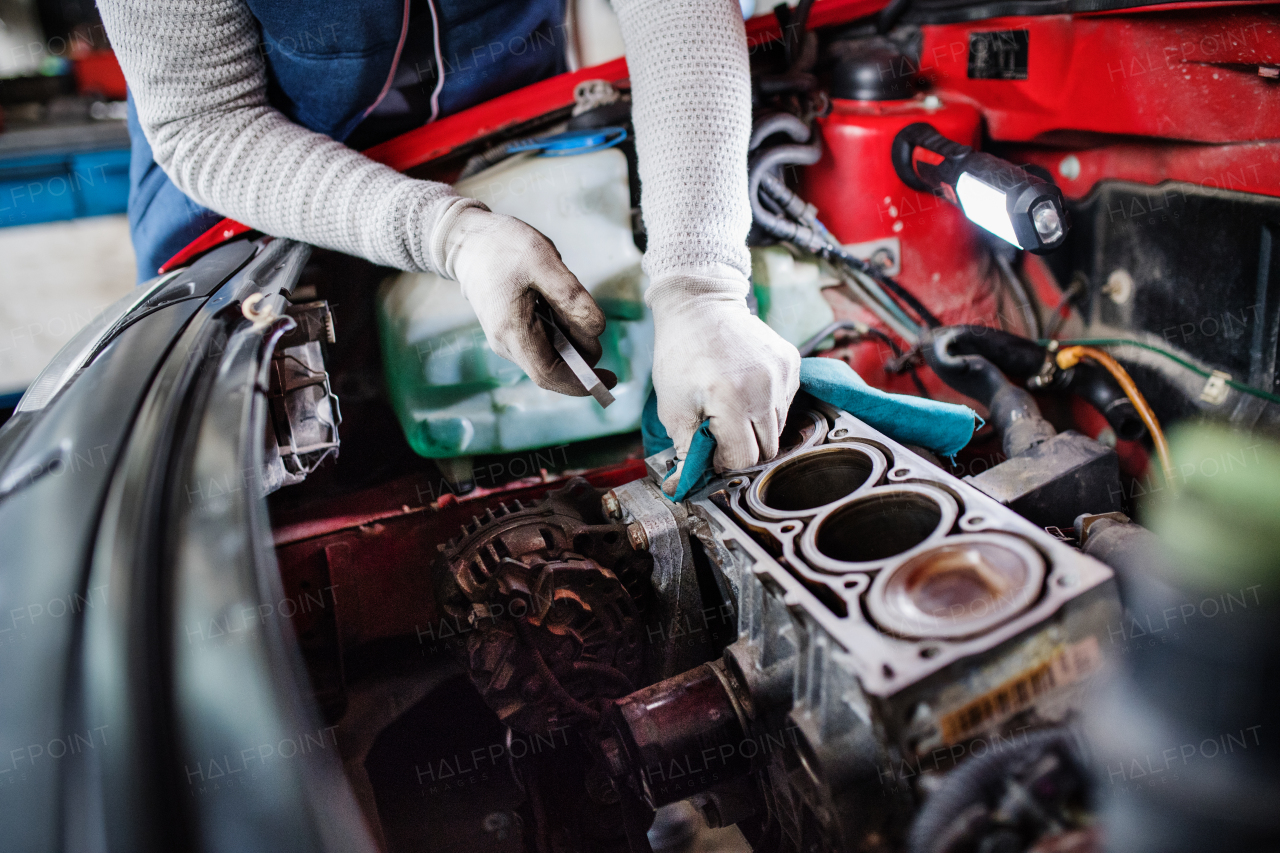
point(452, 394)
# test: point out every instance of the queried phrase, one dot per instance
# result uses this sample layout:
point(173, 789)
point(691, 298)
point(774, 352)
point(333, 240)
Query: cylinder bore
point(799, 431)
point(804, 429)
point(964, 586)
point(881, 524)
point(816, 478)
point(691, 722)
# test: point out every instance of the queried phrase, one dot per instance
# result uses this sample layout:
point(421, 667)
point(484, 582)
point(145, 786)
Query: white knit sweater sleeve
point(691, 106)
point(199, 84)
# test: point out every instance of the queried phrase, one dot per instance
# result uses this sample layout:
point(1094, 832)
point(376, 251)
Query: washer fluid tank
point(451, 393)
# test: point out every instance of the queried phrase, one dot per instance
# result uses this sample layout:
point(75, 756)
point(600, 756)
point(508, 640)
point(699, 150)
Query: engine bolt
point(610, 506)
point(638, 537)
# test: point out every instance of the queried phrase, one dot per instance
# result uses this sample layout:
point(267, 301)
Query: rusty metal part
point(304, 410)
point(609, 504)
point(679, 737)
point(659, 527)
point(550, 599)
point(637, 536)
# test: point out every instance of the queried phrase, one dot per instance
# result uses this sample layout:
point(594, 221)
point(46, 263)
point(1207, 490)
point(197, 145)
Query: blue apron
point(330, 62)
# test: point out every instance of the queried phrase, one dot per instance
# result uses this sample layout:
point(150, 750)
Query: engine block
point(893, 623)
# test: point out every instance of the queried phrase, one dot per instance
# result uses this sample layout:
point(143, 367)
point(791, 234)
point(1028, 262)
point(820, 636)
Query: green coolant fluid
point(452, 395)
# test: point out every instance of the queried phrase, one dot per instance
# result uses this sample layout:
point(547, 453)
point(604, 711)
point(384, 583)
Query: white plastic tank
point(452, 394)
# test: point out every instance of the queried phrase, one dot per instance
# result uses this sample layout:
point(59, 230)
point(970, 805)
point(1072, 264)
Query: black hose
point(1097, 387)
point(1013, 354)
point(1131, 549)
point(1013, 412)
point(779, 226)
point(891, 14)
point(1020, 359)
point(800, 15)
point(969, 373)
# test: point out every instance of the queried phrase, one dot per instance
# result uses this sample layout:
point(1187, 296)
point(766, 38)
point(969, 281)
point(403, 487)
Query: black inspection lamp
point(1010, 202)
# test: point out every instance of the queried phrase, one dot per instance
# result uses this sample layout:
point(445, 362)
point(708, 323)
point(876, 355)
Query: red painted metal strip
point(437, 139)
point(1250, 167)
point(1165, 73)
point(404, 497)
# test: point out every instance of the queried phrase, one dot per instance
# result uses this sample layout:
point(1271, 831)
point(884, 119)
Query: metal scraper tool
point(578, 365)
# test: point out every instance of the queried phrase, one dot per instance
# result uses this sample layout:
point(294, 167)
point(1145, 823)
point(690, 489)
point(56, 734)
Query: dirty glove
point(511, 274)
point(714, 360)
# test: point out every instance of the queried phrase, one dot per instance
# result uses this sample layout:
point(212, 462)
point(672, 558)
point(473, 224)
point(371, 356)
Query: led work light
point(1011, 203)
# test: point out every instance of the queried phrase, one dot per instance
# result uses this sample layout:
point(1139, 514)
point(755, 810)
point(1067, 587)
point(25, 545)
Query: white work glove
point(713, 359)
point(510, 273)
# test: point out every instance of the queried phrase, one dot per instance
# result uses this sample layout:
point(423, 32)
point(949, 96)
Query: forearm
point(691, 106)
point(199, 83)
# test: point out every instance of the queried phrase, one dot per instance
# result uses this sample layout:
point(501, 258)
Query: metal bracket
point(304, 410)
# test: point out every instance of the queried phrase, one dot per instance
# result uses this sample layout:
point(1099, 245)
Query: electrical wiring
point(435, 35)
point(1020, 294)
point(879, 303)
point(782, 213)
point(862, 330)
point(898, 290)
point(1070, 356)
point(1118, 342)
point(809, 232)
point(1063, 309)
point(810, 346)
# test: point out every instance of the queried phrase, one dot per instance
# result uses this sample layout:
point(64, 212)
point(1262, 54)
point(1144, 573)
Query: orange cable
point(1069, 357)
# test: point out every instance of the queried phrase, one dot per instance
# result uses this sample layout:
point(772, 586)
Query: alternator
point(554, 597)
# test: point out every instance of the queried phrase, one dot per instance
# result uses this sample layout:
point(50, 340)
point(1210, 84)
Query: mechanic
point(240, 108)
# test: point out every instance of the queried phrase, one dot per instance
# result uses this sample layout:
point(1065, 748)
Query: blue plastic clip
point(572, 142)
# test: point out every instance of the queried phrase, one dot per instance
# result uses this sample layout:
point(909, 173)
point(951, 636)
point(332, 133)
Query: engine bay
point(521, 643)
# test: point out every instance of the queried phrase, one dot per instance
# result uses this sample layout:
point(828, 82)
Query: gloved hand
point(510, 274)
point(713, 359)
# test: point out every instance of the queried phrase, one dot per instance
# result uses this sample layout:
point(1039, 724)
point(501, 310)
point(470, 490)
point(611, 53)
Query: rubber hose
point(1133, 551)
point(1069, 357)
point(780, 227)
point(891, 14)
point(1015, 355)
point(778, 123)
point(1013, 412)
point(1017, 420)
point(1020, 359)
point(969, 373)
point(1099, 389)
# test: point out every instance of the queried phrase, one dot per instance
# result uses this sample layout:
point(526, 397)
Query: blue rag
point(941, 427)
